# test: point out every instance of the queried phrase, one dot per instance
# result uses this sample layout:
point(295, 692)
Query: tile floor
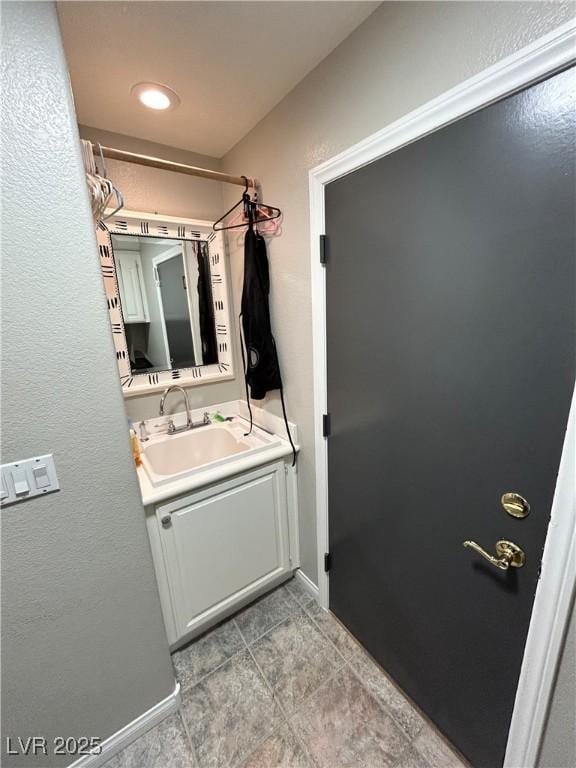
point(283, 685)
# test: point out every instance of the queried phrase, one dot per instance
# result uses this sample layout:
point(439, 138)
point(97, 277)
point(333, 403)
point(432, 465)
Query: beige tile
point(204, 654)
point(344, 726)
point(386, 692)
point(229, 713)
point(281, 750)
point(266, 613)
point(332, 628)
point(298, 592)
point(435, 750)
point(295, 658)
point(165, 746)
point(411, 758)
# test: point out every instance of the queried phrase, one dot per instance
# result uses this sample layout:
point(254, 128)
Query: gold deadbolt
point(515, 505)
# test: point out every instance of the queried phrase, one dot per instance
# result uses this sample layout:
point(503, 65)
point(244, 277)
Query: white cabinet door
point(225, 543)
point(131, 285)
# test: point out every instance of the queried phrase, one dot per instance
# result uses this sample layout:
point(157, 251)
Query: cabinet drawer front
point(226, 539)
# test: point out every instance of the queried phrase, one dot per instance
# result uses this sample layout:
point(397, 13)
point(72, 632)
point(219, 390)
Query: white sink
point(166, 458)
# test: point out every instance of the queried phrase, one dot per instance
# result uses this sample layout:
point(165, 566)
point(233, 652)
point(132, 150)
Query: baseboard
point(125, 736)
point(307, 583)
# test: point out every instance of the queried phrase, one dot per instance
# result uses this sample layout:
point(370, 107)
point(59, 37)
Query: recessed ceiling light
point(155, 96)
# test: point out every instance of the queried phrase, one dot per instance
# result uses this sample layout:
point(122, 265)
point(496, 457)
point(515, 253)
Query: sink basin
point(169, 457)
point(192, 449)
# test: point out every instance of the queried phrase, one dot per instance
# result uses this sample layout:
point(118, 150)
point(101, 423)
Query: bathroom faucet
point(189, 423)
point(171, 428)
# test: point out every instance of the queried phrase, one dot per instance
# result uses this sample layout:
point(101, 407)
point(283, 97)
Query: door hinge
point(327, 562)
point(323, 249)
point(326, 425)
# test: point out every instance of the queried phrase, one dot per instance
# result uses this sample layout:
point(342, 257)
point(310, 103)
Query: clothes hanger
point(270, 227)
point(114, 191)
point(102, 189)
point(263, 212)
point(242, 202)
point(253, 212)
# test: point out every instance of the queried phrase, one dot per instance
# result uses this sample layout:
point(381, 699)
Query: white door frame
point(558, 576)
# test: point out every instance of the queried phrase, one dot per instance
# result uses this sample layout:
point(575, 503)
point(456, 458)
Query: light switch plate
point(26, 479)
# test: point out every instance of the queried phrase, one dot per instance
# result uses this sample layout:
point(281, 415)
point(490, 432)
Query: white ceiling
point(230, 62)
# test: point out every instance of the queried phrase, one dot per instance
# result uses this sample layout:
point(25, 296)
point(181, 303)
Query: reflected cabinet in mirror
point(167, 297)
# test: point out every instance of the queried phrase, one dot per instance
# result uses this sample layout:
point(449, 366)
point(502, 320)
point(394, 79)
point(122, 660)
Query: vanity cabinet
point(131, 286)
point(220, 547)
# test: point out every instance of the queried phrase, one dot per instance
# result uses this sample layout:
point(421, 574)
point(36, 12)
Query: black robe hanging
point(259, 354)
point(261, 366)
point(205, 312)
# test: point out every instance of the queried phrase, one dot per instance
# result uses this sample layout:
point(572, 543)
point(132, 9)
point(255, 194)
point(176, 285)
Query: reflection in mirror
point(166, 299)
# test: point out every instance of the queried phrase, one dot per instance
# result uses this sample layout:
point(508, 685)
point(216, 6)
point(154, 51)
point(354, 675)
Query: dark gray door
point(176, 312)
point(450, 321)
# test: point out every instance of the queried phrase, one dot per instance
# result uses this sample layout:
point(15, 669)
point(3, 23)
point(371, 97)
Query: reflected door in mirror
point(166, 296)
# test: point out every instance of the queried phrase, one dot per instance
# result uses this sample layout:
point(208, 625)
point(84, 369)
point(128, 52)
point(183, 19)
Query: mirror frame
point(170, 228)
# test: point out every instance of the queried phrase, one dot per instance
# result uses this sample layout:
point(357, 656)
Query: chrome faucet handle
point(206, 419)
point(171, 427)
point(143, 431)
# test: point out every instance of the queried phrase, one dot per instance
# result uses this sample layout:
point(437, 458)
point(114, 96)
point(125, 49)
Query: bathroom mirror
point(166, 291)
point(166, 300)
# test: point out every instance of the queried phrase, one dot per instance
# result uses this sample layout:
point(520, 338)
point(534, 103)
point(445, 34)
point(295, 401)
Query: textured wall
point(84, 649)
point(155, 191)
point(403, 55)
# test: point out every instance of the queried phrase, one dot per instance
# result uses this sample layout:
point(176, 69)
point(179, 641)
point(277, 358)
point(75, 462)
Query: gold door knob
point(508, 554)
